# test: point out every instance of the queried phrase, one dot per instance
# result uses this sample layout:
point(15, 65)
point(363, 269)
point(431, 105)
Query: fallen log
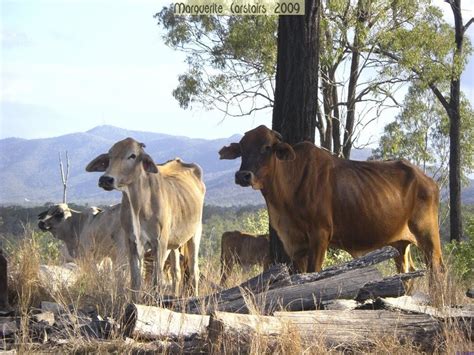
point(150, 323)
point(275, 274)
point(460, 317)
point(305, 296)
point(392, 286)
point(334, 329)
point(192, 346)
point(9, 326)
point(56, 278)
point(339, 305)
point(369, 259)
point(52, 307)
point(410, 304)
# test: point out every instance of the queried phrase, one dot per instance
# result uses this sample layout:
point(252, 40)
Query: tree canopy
point(369, 49)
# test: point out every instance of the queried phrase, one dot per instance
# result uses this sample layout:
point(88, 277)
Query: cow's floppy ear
point(284, 151)
point(230, 152)
point(42, 215)
point(98, 164)
point(148, 164)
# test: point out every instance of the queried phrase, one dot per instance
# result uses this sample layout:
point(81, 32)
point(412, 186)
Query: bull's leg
point(194, 258)
point(135, 267)
point(175, 270)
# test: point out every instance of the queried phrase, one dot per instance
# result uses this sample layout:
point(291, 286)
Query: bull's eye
point(266, 149)
point(132, 156)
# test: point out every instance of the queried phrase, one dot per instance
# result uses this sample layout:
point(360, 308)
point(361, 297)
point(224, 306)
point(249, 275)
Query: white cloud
point(11, 39)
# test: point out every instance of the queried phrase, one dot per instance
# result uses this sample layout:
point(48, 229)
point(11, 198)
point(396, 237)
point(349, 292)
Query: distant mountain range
point(29, 168)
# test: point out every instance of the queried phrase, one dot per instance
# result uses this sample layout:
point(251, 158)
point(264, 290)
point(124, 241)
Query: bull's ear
point(284, 151)
point(230, 152)
point(148, 164)
point(98, 164)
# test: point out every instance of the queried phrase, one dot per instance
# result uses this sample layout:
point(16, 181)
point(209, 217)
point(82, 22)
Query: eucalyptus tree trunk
point(296, 90)
point(455, 129)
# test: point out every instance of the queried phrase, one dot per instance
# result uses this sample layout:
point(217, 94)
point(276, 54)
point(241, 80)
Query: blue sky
point(70, 65)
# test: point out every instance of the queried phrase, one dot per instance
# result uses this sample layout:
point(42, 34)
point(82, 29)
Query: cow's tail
point(223, 260)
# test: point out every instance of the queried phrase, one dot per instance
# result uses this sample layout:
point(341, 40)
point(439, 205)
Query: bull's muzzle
point(243, 178)
point(106, 182)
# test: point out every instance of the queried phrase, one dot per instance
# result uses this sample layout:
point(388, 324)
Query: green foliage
point(47, 246)
point(423, 46)
point(461, 254)
point(256, 223)
point(217, 220)
point(232, 60)
point(335, 257)
point(420, 134)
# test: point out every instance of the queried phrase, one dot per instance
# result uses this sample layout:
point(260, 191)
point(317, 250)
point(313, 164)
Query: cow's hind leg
point(227, 262)
point(404, 262)
point(424, 226)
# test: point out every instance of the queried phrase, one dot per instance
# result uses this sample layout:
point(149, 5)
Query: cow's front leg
point(135, 267)
point(161, 253)
point(175, 270)
point(318, 245)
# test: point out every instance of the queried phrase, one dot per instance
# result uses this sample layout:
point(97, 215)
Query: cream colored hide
point(161, 208)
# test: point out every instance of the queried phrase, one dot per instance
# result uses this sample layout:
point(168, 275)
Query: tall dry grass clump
point(24, 264)
point(100, 284)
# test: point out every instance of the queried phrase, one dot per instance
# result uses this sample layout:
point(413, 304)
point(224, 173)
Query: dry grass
point(106, 290)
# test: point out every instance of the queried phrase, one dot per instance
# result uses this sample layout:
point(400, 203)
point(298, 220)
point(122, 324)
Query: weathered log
point(409, 304)
point(305, 296)
point(4, 306)
point(46, 318)
point(392, 286)
point(52, 307)
point(369, 259)
point(191, 346)
point(58, 277)
point(335, 329)
point(9, 326)
point(148, 322)
point(339, 305)
point(276, 274)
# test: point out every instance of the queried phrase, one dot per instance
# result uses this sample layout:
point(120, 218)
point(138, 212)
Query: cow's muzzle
point(43, 226)
point(243, 178)
point(106, 182)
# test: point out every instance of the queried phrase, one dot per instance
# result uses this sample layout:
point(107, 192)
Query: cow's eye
point(132, 156)
point(60, 215)
point(266, 149)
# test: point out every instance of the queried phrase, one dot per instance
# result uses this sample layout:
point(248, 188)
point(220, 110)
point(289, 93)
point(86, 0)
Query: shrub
point(461, 254)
